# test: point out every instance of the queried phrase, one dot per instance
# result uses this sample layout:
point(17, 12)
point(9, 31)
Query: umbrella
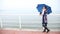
point(40, 7)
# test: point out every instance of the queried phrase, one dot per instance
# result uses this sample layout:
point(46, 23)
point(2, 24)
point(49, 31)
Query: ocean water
point(28, 21)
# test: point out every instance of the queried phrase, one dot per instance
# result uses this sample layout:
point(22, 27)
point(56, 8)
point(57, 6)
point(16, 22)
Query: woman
point(44, 19)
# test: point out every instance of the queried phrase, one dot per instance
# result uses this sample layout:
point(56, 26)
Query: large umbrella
point(40, 7)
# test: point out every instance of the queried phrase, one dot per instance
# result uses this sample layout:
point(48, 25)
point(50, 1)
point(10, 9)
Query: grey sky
point(27, 6)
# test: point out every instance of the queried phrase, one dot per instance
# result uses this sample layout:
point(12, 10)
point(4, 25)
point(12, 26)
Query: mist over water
point(14, 13)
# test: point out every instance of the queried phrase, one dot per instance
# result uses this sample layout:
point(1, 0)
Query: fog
point(27, 6)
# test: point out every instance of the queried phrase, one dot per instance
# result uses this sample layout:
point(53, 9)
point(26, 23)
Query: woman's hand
point(40, 14)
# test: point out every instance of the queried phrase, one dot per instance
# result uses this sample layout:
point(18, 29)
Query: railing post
point(20, 22)
point(1, 23)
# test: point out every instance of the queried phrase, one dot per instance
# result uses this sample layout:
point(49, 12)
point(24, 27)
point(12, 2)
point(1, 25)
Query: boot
point(44, 30)
point(48, 30)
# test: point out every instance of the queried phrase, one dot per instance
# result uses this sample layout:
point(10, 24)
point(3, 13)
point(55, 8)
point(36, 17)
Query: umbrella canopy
point(40, 7)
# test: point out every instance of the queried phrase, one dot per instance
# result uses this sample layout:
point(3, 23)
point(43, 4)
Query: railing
point(28, 21)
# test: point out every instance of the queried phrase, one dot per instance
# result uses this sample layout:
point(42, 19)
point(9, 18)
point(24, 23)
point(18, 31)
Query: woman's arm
point(42, 13)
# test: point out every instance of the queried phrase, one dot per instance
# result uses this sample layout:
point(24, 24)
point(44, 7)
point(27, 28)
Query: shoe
point(48, 31)
point(44, 30)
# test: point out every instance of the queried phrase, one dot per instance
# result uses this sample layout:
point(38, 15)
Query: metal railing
point(28, 21)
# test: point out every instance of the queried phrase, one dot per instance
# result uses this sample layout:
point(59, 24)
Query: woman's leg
point(45, 23)
point(45, 19)
point(45, 28)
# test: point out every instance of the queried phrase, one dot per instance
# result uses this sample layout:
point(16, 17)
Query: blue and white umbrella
point(40, 7)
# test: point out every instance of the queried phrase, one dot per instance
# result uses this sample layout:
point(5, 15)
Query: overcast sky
point(27, 6)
